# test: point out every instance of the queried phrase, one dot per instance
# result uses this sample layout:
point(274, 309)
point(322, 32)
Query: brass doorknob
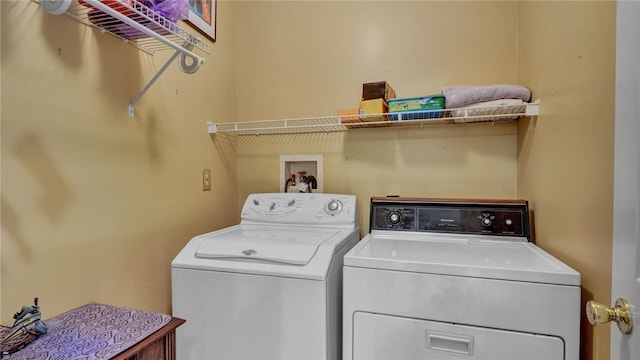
point(602, 314)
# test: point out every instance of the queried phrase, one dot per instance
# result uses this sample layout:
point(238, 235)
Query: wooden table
point(99, 331)
point(159, 345)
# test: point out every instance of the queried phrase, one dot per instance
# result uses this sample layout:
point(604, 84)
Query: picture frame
point(202, 17)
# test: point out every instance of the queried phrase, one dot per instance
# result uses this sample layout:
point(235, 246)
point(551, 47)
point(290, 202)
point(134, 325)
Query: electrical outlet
point(206, 179)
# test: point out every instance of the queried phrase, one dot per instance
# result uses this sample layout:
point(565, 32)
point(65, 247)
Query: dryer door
point(386, 337)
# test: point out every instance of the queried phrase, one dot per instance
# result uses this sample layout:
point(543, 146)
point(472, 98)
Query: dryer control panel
point(486, 217)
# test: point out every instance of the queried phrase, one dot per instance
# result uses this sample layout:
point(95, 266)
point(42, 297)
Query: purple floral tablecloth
point(92, 331)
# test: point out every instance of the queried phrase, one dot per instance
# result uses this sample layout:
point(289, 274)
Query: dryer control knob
point(394, 218)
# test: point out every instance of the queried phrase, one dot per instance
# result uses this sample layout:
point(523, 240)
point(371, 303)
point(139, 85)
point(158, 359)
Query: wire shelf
point(496, 114)
point(134, 23)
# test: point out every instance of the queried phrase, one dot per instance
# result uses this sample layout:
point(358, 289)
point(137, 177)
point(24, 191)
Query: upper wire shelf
point(135, 23)
point(132, 22)
point(495, 114)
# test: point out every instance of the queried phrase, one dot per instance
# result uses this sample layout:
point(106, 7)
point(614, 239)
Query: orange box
point(349, 116)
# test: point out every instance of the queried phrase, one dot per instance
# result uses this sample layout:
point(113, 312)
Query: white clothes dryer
point(452, 279)
point(269, 287)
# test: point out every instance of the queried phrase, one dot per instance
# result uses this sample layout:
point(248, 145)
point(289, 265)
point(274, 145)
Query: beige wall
point(1, 317)
point(445, 162)
point(96, 204)
point(565, 157)
point(310, 59)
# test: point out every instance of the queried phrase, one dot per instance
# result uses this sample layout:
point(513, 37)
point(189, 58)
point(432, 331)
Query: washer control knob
point(508, 222)
point(333, 207)
point(394, 218)
point(486, 222)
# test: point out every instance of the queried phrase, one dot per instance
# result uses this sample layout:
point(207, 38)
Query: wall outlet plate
point(206, 179)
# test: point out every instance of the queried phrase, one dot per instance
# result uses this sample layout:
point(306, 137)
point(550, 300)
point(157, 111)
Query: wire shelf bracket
point(136, 24)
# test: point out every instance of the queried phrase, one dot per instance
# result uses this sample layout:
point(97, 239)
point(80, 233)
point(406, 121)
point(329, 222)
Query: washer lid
point(287, 246)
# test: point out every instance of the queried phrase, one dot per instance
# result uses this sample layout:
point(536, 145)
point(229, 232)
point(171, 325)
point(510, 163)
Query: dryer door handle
point(459, 344)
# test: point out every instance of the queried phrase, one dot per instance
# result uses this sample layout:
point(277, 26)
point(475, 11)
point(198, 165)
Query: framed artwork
point(202, 16)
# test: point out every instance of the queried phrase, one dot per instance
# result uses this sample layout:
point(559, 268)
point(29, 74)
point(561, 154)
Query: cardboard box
point(373, 110)
point(349, 116)
point(377, 90)
point(420, 107)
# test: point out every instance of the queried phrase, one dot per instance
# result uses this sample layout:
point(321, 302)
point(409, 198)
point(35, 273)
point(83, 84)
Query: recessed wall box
point(301, 173)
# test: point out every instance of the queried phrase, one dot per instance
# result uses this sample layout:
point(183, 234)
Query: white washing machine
point(449, 279)
point(270, 287)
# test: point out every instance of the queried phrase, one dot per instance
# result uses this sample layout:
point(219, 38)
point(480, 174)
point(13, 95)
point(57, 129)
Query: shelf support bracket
point(155, 78)
point(189, 69)
point(212, 127)
point(188, 62)
point(532, 108)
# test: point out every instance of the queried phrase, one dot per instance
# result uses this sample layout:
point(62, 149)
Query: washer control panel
point(489, 217)
point(315, 209)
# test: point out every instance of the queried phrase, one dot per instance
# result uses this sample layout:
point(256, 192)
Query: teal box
point(414, 108)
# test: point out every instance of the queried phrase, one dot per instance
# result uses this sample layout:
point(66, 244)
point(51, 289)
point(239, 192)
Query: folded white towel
point(457, 96)
point(485, 111)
